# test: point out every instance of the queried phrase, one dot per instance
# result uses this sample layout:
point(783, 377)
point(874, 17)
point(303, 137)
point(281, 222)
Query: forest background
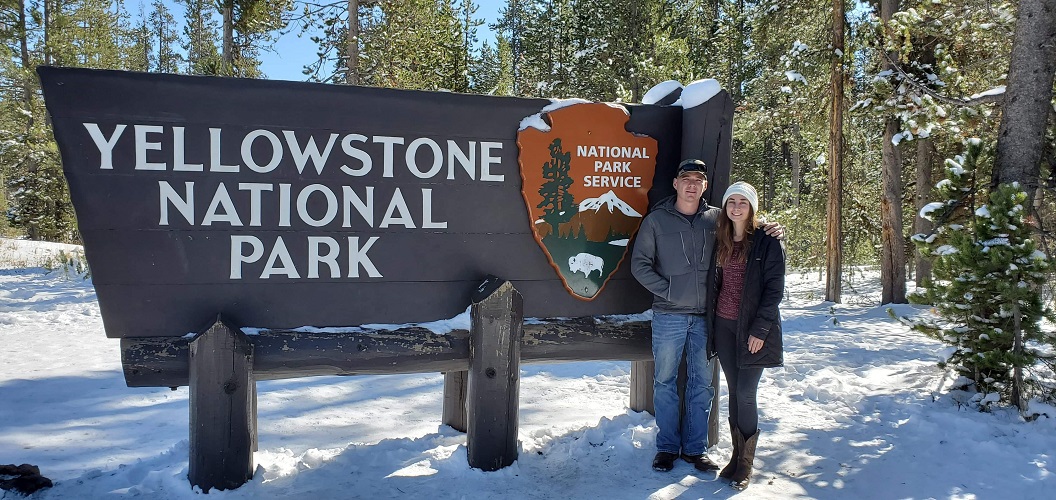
point(845, 111)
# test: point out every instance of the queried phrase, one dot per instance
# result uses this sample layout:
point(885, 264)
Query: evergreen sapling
point(986, 292)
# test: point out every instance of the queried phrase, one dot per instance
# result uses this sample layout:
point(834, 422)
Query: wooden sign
point(287, 204)
point(586, 188)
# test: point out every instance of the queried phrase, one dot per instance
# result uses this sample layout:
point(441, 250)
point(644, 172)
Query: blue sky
point(293, 52)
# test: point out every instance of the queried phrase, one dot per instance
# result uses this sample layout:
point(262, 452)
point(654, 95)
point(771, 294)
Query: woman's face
point(737, 208)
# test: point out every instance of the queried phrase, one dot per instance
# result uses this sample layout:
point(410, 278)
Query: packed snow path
point(857, 412)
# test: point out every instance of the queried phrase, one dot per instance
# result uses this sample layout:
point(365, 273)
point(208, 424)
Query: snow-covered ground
point(858, 411)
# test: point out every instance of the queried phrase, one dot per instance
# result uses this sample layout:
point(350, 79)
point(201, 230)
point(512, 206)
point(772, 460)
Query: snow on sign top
point(536, 121)
point(700, 92)
point(660, 91)
point(586, 185)
point(694, 94)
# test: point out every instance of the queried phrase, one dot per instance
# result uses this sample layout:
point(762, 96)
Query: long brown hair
point(724, 235)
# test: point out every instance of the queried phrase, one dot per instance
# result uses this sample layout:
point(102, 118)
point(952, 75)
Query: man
point(672, 258)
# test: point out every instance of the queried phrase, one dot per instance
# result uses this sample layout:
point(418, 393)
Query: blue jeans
point(674, 334)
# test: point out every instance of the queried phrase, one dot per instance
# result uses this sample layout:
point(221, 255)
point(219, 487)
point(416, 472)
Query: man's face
point(690, 187)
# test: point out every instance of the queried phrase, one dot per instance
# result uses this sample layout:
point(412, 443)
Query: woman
point(749, 283)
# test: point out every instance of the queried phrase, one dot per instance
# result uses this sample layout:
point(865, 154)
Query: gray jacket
point(672, 257)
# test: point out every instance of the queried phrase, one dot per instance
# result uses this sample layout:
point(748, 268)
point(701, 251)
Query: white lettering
point(611, 181)
point(412, 161)
point(427, 212)
point(254, 189)
point(247, 151)
point(238, 258)
point(468, 162)
point(330, 259)
point(284, 205)
point(357, 256)
point(302, 205)
point(279, 253)
point(366, 209)
point(221, 198)
point(397, 204)
point(178, 151)
point(486, 161)
point(612, 166)
point(214, 154)
point(386, 170)
point(106, 146)
point(142, 146)
point(185, 204)
point(611, 152)
point(311, 150)
point(359, 154)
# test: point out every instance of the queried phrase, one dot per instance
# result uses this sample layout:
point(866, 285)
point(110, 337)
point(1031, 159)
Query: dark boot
point(738, 443)
point(664, 461)
point(743, 476)
point(700, 462)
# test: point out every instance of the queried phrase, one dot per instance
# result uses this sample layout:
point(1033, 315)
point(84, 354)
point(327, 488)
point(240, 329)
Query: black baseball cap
point(692, 165)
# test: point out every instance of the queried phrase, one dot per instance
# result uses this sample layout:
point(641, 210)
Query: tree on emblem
point(558, 205)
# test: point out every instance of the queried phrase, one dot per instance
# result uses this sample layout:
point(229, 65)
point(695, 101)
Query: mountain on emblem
point(586, 184)
point(599, 217)
point(611, 201)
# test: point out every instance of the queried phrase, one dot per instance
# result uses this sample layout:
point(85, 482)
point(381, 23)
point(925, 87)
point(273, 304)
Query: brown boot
point(738, 443)
point(743, 476)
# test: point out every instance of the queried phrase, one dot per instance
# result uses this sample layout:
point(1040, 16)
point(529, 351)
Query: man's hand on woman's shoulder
point(774, 229)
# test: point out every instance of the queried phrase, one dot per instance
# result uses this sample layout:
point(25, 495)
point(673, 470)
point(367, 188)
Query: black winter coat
point(764, 286)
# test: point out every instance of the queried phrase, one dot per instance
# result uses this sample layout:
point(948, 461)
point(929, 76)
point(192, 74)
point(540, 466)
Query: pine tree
point(988, 274)
point(558, 205)
point(51, 32)
point(200, 36)
point(248, 27)
point(164, 35)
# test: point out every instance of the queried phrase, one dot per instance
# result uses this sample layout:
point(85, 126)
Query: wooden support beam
point(223, 419)
point(642, 386)
point(455, 390)
point(280, 354)
point(494, 375)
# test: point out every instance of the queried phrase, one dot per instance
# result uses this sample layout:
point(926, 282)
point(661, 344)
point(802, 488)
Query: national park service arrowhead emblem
point(586, 182)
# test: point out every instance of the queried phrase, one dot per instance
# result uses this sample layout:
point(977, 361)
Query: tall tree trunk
point(27, 63)
point(786, 159)
point(773, 159)
point(515, 45)
point(47, 31)
point(23, 34)
point(797, 170)
point(892, 243)
point(352, 44)
point(834, 211)
point(925, 165)
point(229, 37)
point(636, 79)
point(1049, 156)
point(1028, 94)
point(736, 56)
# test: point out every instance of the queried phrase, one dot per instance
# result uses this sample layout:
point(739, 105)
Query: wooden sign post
point(223, 408)
point(494, 375)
